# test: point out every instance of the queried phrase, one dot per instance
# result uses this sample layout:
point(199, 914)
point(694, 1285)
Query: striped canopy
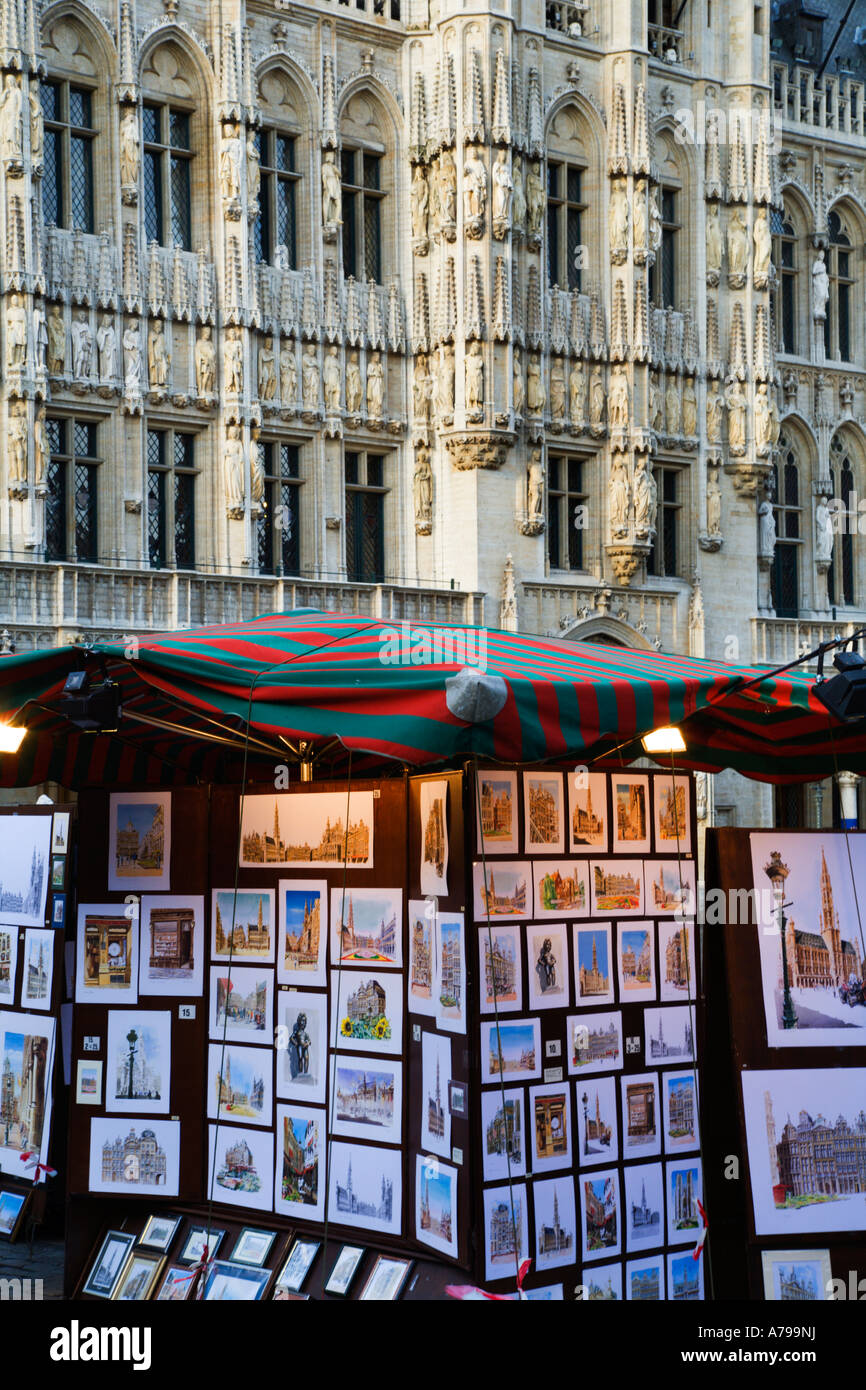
point(211, 702)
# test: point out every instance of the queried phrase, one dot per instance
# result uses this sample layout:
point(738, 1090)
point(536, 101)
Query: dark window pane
point(184, 520)
point(792, 484)
point(265, 532)
point(155, 449)
point(285, 153)
point(670, 541)
point(180, 204)
point(553, 180)
point(81, 183)
point(286, 219)
point(785, 581)
point(371, 170)
point(789, 316)
point(55, 511)
point(85, 512)
point(554, 509)
point(152, 197)
point(150, 125)
point(364, 550)
point(289, 460)
point(184, 450)
point(787, 253)
point(845, 322)
point(575, 475)
point(351, 468)
point(573, 184)
point(575, 539)
point(179, 130)
point(668, 249)
point(155, 517)
point(552, 244)
point(54, 434)
point(347, 166)
point(573, 240)
point(262, 224)
point(349, 236)
point(372, 246)
point(669, 206)
point(82, 438)
point(50, 95)
point(290, 528)
point(80, 108)
point(52, 179)
point(374, 470)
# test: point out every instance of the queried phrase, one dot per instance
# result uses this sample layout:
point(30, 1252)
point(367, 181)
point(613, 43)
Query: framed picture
point(12, 1208)
point(555, 1223)
point(243, 925)
point(594, 1042)
point(37, 977)
point(138, 1157)
point(597, 1123)
point(345, 1269)
point(299, 1176)
point(631, 813)
point(512, 1050)
point(367, 1011)
point(367, 927)
point(303, 932)
point(547, 966)
point(451, 980)
point(617, 887)
point(684, 1190)
point(669, 1035)
point(423, 960)
point(435, 1075)
point(302, 1045)
point(636, 962)
point(645, 1280)
point(241, 1008)
point(561, 887)
point(240, 1087)
point(386, 1279)
point(503, 892)
point(138, 1064)
point(139, 841)
point(672, 812)
point(367, 1098)
point(8, 962)
point(172, 945)
point(500, 968)
point(506, 1231)
point(678, 978)
point(685, 1278)
point(436, 1205)
point(197, 1238)
point(503, 1134)
point(106, 954)
point(593, 964)
point(365, 1187)
point(496, 796)
point(587, 811)
point(60, 832)
point(58, 871)
point(457, 1098)
point(644, 1205)
point(88, 1082)
point(600, 1214)
point(641, 1115)
point(298, 1265)
point(241, 1166)
point(550, 1126)
point(253, 1246)
point(58, 910)
point(801, 1276)
point(27, 1068)
point(434, 838)
point(159, 1232)
point(670, 887)
point(105, 1270)
point(176, 1286)
point(25, 847)
point(225, 1282)
point(138, 1277)
point(287, 830)
point(543, 812)
point(680, 1105)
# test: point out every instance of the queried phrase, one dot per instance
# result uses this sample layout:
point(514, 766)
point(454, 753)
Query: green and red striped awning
point(339, 682)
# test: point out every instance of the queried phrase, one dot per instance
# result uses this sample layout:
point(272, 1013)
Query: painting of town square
point(550, 1126)
point(299, 1174)
point(595, 1042)
point(796, 1276)
point(423, 997)
point(641, 1115)
point(677, 974)
point(600, 1214)
point(680, 1104)
point(138, 1068)
point(365, 1187)
point(435, 1075)
point(172, 945)
point(672, 811)
point(241, 1004)
point(602, 1284)
point(367, 926)
point(8, 963)
point(303, 935)
point(106, 954)
point(506, 1237)
point(644, 1206)
point(635, 958)
point(497, 812)
point(434, 838)
point(555, 1223)
point(313, 828)
point(138, 1157)
point(502, 890)
point(451, 984)
point(301, 1045)
point(631, 814)
point(243, 926)
point(500, 968)
point(806, 1138)
point(684, 1196)
point(597, 1123)
point(593, 976)
point(547, 957)
point(511, 1050)
point(26, 1062)
point(670, 887)
point(139, 841)
point(561, 887)
point(241, 1166)
point(825, 955)
point(503, 1134)
point(239, 1084)
point(685, 1278)
point(367, 1012)
point(617, 887)
point(587, 811)
point(366, 1098)
point(436, 1205)
point(25, 844)
point(37, 974)
point(669, 1035)
point(645, 1280)
point(543, 812)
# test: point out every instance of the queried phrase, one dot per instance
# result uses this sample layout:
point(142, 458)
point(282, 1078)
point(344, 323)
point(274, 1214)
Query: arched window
point(785, 577)
point(74, 113)
point(282, 160)
point(172, 134)
point(840, 580)
point(840, 265)
point(572, 189)
point(668, 276)
point(785, 289)
point(366, 173)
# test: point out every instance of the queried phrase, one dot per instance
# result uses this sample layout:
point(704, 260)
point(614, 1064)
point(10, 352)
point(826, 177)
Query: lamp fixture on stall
point(91, 705)
point(845, 694)
point(664, 740)
point(11, 737)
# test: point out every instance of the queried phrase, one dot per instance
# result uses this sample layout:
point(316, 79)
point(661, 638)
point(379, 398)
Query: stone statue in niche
point(823, 532)
point(447, 194)
point(655, 222)
point(130, 148)
point(690, 409)
point(40, 337)
point(714, 244)
point(332, 191)
point(375, 387)
point(775, 422)
point(132, 364)
point(332, 378)
point(763, 249)
point(230, 162)
point(288, 374)
point(596, 401)
point(474, 193)
point(577, 392)
point(434, 211)
point(106, 346)
point(714, 501)
point(535, 201)
point(422, 389)
point(422, 492)
point(82, 346)
point(673, 420)
point(254, 172)
point(557, 389)
point(736, 403)
point(639, 226)
point(474, 379)
point(205, 363)
point(617, 222)
point(267, 370)
point(820, 286)
point(618, 499)
point(234, 471)
point(738, 249)
point(517, 391)
point(518, 201)
point(354, 388)
point(56, 341)
point(257, 471)
point(535, 490)
point(763, 426)
point(158, 360)
point(37, 130)
point(444, 383)
point(715, 407)
point(656, 405)
point(766, 530)
point(310, 379)
point(40, 453)
point(645, 497)
point(11, 114)
point(233, 362)
point(420, 199)
point(618, 404)
point(16, 334)
point(16, 448)
point(503, 193)
point(535, 393)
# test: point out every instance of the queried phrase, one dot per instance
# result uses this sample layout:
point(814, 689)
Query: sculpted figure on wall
point(310, 379)
point(56, 340)
point(518, 393)
point(474, 379)
point(82, 346)
point(267, 370)
point(332, 378)
point(503, 192)
point(132, 363)
point(617, 222)
point(557, 389)
point(158, 360)
point(230, 162)
point(375, 387)
point(618, 405)
point(535, 393)
point(354, 388)
point(234, 469)
point(577, 392)
point(444, 382)
point(332, 191)
point(205, 362)
point(535, 200)
point(474, 192)
point(420, 199)
point(129, 147)
point(288, 373)
point(618, 499)
point(714, 243)
point(16, 334)
point(106, 344)
point(233, 362)
point(645, 497)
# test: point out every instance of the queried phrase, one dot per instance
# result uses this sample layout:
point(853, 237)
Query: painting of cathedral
point(587, 811)
point(671, 799)
point(436, 1205)
point(303, 908)
point(644, 1206)
point(555, 1223)
point(243, 925)
point(367, 926)
point(497, 812)
point(365, 1187)
point(433, 807)
point(684, 1191)
point(139, 840)
point(631, 818)
point(25, 845)
point(26, 1060)
point(313, 828)
point(543, 812)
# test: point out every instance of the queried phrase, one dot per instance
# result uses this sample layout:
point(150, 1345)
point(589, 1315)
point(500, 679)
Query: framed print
point(435, 1075)
point(601, 1225)
point(60, 832)
point(631, 813)
point(680, 1104)
point(241, 1004)
point(253, 1246)
point(457, 1099)
point(367, 927)
point(645, 1280)
point(636, 962)
point(503, 1134)
point(298, 1265)
point(12, 1208)
point(88, 1082)
point(550, 1126)
point(617, 887)
point(595, 1042)
point(544, 815)
point(159, 1232)
point(365, 1187)
point(198, 1238)
point(106, 954)
point(58, 910)
point(677, 974)
point(37, 976)
point(105, 1270)
point(239, 1084)
point(555, 1223)
point(550, 1293)
point(367, 1098)
point(641, 1115)
point(176, 1286)
point(345, 1268)
point(243, 925)
point(644, 1206)
point(225, 1282)
point(672, 812)
point(139, 841)
point(287, 830)
point(8, 962)
point(602, 1284)
point(299, 1172)
point(561, 887)
point(512, 1051)
point(172, 945)
point(27, 1067)
point(500, 968)
point(138, 1277)
point(434, 838)
point(507, 893)
point(496, 797)
point(796, 1276)
point(587, 812)
point(547, 963)
point(386, 1279)
point(423, 958)
point(58, 871)
point(684, 1190)
point(436, 1205)
point(241, 1166)
point(597, 1123)
point(670, 887)
point(451, 985)
point(25, 847)
point(138, 1066)
point(506, 1230)
point(367, 1012)
point(139, 1157)
point(302, 1045)
point(685, 1278)
point(303, 933)
point(593, 958)
point(669, 1035)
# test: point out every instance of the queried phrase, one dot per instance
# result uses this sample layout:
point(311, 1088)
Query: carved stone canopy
point(478, 450)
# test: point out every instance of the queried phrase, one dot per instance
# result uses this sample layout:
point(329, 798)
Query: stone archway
point(606, 631)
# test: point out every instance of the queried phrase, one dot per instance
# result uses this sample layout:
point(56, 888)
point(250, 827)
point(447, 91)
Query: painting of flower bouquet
point(367, 1012)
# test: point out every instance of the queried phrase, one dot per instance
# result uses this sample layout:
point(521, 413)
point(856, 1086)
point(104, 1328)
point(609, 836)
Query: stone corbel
point(748, 477)
point(627, 561)
point(482, 450)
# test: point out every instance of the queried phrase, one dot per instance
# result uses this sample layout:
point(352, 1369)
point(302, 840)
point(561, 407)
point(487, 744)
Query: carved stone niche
point(627, 561)
point(486, 450)
point(749, 477)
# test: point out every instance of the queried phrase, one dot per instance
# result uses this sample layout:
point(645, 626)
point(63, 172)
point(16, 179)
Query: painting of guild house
point(451, 978)
point(140, 843)
point(171, 938)
point(434, 835)
point(823, 959)
point(551, 1133)
point(504, 1229)
point(421, 983)
point(636, 969)
point(681, 1107)
point(672, 813)
point(591, 978)
point(245, 938)
point(367, 1004)
point(797, 1284)
point(685, 1279)
point(300, 1179)
point(595, 1044)
point(37, 976)
point(238, 1172)
point(552, 1237)
point(504, 1134)
point(631, 812)
point(677, 962)
point(357, 1204)
point(499, 967)
point(6, 981)
point(645, 1284)
point(22, 1090)
point(497, 810)
point(816, 1158)
point(135, 1158)
point(613, 890)
point(302, 931)
point(107, 952)
point(544, 827)
point(640, 1109)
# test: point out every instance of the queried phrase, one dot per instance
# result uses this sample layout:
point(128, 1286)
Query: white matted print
point(292, 829)
point(138, 1062)
point(241, 1166)
point(106, 954)
point(645, 1280)
point(367, 1012)
point(241, 1004)
point(497, 812)
point(367, 927)
point(172, 945)
point(670, 887)
point(365, 1187)
point(677, 975)
point(506, 1234)
point(672, 813)
point(617, 887)
point(602, 1284)
point(239, 1085)
point(423, 957)
point(60, 833)
point(243, 925)
point(600, 1215)
point(587, 811)
point(597, 1122)
point(505, 893)
point(561, 887)
point(500, 968)
point(8, 962)
point(435, 1113)
point(301, 1045)
point(669, 1035)
point(544, 813)
point(550, 1126)
point(636, 961)
point(641, 1115)
point(631, 813)
point(138, 1157)
point(503, 1134)
point(684, 1195)
point(436, 1205)
point(451, 984)
point(685, 1278)
point(644, 1206)
point(594, 1042)
point(511, 1050)
point(796, 1276)
point(139, 841)
point(547, 965)
point(367, 1098)
point(299, 1171)
point(303, 931)
point(27, 1066)
point(25, 843)
point(555, 1223)
point(680, 1105)
point(434, 838)
point(794, 1119)
point(593, 964)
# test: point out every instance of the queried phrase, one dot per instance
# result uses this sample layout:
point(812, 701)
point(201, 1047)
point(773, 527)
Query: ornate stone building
point(550, 314)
